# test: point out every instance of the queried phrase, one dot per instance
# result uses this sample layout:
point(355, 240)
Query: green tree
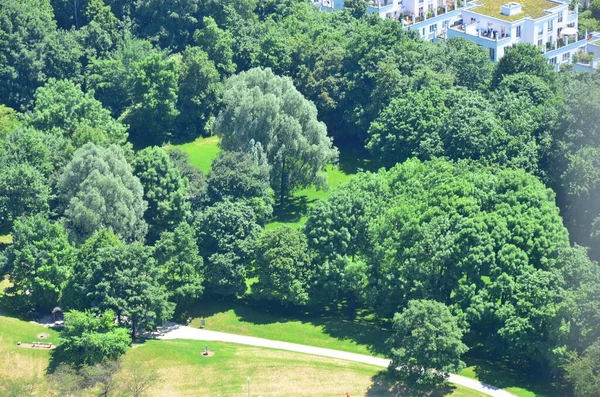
point(62, 108)
point(270, 111)
point(8, 121)
point(227, 233)
point(583, 372)
point(88, 339)
point(471, 63)
point(426, 343)
point(125, 279)
point(154, 87)
point(181, 266)
point(356, 8)
point(195, 178)
point(283, 267)
point(98, 191)
point(39, 261)
point(199, 95)
point(241, 176)
point(218, 44)
point(24, 191)
point(522, 58)
point(165, 191)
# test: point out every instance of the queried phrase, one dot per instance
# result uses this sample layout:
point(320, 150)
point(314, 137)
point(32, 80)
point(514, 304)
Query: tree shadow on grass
point(292, 210)
point(385, 385)
point(258, 313)
point(354, 159)
point(503, 373)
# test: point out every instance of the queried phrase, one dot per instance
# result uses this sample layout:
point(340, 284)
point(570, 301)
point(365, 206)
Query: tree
point(409, 126)
point(75, 294)
point(195, 177)
point(241, 176)
point(356, 8)
point(165, 190)
point(218, 44)
point(98, 191)
point(267, 109)
point(471, 63)
point(283, 267)
point(23, 191)
point(88, 339)
point(522, 58)
point(125, 279)
point(199, 95)
point(39, 261)
point(153, 82)
point(426, 343)
point(62, 108)
point(227, 232)
point(181, 266)
point(583, 372)
point(8, 121)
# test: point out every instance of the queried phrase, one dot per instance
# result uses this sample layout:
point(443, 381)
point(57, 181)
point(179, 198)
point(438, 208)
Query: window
point(540, 42)
point(519, 31)
point(560, 17)
point(550, 40)
point(493, 54)
point(550, 25)
point(430, 7)
point(432, 28)
point(553, 61)
point(423, 32)
point(445, 24)
point(540, 30)
point(566, 56)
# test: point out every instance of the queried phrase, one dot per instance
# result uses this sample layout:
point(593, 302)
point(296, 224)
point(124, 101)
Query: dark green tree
point(165, 191)
point(218, 44)
point(356, 8)
point(583, 372)
point(522, 58)
point(426, 344)
point(227, 234)
point(88, 339)
point(39, 261)
point(283, 267)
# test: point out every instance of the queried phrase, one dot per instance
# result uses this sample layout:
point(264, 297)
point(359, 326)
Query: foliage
point(181, 266)
point(227, 232)
point(97, 191)
point(39, 261)
point(199, 95)
point(23, 191)
point(356, 8)
point(262, 108)
point(583, 372)
point(426, 343)
point(125, 279)
point(242, 176)
point(88, 339)
point(282, 266)
point(522, 58)
point(165, 190)
point(62, 108)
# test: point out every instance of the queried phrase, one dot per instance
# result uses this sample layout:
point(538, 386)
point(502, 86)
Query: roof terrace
point(530, 8)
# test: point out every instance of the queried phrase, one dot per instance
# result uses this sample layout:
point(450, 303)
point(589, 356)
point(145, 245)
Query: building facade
point(492, 24)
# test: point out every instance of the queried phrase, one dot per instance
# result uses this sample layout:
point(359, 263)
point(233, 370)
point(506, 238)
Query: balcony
point(409, 20)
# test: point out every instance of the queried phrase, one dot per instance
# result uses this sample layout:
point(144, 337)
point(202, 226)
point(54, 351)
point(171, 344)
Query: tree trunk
point(282, 187)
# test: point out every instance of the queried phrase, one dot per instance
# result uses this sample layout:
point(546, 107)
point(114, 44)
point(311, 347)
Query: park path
point(184, 332)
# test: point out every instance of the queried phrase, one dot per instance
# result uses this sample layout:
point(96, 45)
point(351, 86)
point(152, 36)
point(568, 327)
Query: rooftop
point(531, 8)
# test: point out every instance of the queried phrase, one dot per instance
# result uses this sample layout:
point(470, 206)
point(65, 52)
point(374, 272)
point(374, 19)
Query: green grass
point(182, 371)
point(532, 8)
point(202, 151)
point(6, 239)
point(321, 331)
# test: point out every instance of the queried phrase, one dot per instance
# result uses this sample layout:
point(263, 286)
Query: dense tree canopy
point(263, 108)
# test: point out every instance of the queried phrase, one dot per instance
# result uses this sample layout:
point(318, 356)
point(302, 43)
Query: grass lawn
point(202, 151)
point(327, 332)
point(6, 239)
point(184, 372)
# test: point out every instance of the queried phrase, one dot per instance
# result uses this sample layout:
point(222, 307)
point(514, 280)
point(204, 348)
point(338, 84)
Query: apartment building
point(492, 24)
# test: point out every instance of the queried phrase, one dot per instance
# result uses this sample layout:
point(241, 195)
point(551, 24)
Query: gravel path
point(183, 332)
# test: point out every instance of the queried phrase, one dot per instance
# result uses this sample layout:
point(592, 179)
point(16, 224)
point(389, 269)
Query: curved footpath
point(183, 332)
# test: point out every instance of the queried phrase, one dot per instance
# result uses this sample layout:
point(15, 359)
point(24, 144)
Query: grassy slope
point(202, 151)
point(331, 333)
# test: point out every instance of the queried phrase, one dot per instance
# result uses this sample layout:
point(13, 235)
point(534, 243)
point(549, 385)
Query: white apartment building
point(492, 24)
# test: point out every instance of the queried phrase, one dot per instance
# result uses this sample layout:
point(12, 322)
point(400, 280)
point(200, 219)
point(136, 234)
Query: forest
point(480, 204)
